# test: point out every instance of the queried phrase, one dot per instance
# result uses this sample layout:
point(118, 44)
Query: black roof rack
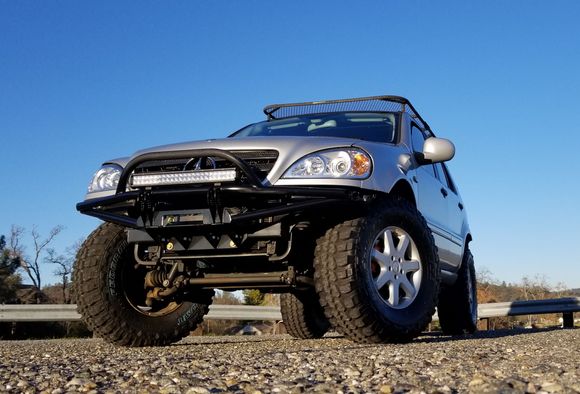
point(361, 104)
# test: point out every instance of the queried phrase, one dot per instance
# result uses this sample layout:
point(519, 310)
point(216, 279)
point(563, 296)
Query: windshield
point(368, 126)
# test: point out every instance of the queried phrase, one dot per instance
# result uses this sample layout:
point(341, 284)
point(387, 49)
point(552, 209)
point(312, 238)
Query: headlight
point(107, 178)
point(336, 163)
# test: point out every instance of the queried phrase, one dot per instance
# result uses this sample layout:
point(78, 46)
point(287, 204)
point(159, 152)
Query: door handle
point(444, 192)
point(460, 205)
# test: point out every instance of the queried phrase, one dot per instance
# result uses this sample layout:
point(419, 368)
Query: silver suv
point(345, 207)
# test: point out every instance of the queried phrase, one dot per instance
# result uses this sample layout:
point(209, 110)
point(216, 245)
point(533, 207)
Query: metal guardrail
point(243, 312)
point(55, 312)
point(68, 312)
point(533, 307)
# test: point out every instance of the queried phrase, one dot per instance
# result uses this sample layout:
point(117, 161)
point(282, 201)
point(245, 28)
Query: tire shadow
point(487, 334)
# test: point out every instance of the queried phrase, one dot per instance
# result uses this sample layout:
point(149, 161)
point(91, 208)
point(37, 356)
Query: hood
point(290, 149)
point(280, 143)
point(287, 146)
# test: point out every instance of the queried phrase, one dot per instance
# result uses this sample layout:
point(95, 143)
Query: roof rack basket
point(361, 104)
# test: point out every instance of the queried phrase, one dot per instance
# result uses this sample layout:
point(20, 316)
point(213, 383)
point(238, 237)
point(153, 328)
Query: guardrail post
point(568, 318)
point(483, 324)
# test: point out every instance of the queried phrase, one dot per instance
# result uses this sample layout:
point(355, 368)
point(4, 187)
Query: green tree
point(9, 279)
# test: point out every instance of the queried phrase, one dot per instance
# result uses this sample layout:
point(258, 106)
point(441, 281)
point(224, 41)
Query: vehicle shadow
point(427, 337)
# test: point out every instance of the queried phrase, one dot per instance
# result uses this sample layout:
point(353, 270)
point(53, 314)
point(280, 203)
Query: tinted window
point(444, 177)
point(441, 174)
point(417, 139)
point(368, 126)
point(448, 178)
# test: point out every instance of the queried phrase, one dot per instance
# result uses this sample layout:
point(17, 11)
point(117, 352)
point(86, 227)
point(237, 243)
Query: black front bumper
point(136, 209)
point(253, 202)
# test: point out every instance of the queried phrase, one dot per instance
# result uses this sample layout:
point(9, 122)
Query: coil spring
point(155, 278)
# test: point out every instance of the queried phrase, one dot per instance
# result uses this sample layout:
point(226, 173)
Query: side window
point(448, 178)
point(417, 139)
point(444, 177)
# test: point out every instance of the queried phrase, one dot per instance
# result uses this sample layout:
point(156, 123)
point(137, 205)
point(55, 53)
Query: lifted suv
point(343, 206)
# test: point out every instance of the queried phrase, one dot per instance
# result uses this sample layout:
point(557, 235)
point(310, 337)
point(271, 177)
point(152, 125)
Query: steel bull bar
point(131, 208)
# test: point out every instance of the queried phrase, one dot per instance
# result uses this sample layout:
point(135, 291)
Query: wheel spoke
point(410, 265)
point(389, 244)
point(394, 293)
point(383, 278)
point(407, 287)
point(381, 259)
point(403, 244)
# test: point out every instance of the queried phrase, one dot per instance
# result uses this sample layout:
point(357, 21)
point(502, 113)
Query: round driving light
point(315, 165)
point(340, 165)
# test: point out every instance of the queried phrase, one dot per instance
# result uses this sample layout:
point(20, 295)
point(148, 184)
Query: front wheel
point(110, 295)
point(378, 276)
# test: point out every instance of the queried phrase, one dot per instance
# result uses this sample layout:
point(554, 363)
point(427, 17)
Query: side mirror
point(436, 150)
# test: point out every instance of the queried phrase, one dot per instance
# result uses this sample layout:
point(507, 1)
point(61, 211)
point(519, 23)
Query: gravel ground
point(497, 361)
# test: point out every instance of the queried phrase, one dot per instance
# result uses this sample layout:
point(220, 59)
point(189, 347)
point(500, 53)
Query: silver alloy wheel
point(396, 267)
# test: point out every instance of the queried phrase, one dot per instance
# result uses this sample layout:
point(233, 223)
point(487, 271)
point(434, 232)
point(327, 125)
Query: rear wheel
point(457, 307)
point(110, 295)
point(378, 276)
point(303, 316)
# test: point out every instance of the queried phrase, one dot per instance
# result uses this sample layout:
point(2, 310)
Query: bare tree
point(561, 290)
point(485, 286)
point(63, 270)
point(64, 265)
point(16, 233)
point(31, 264)
point(535, 288)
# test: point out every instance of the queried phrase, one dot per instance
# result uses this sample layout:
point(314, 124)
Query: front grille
point(261, 162)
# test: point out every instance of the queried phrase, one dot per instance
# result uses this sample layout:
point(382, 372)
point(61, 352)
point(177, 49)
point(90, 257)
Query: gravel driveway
point(496, 361)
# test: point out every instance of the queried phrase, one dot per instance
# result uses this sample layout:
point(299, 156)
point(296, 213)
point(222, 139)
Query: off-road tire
point(302, 315)
point(457, 312)
point(100, 296)
point(342, 278)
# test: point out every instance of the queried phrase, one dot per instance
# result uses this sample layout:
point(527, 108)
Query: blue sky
point(82, 82)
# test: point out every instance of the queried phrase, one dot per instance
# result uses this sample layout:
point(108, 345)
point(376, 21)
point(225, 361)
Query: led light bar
point(183, 178)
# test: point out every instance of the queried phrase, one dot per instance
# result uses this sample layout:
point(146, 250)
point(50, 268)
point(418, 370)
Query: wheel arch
point(467, 241)
point(402, 188)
